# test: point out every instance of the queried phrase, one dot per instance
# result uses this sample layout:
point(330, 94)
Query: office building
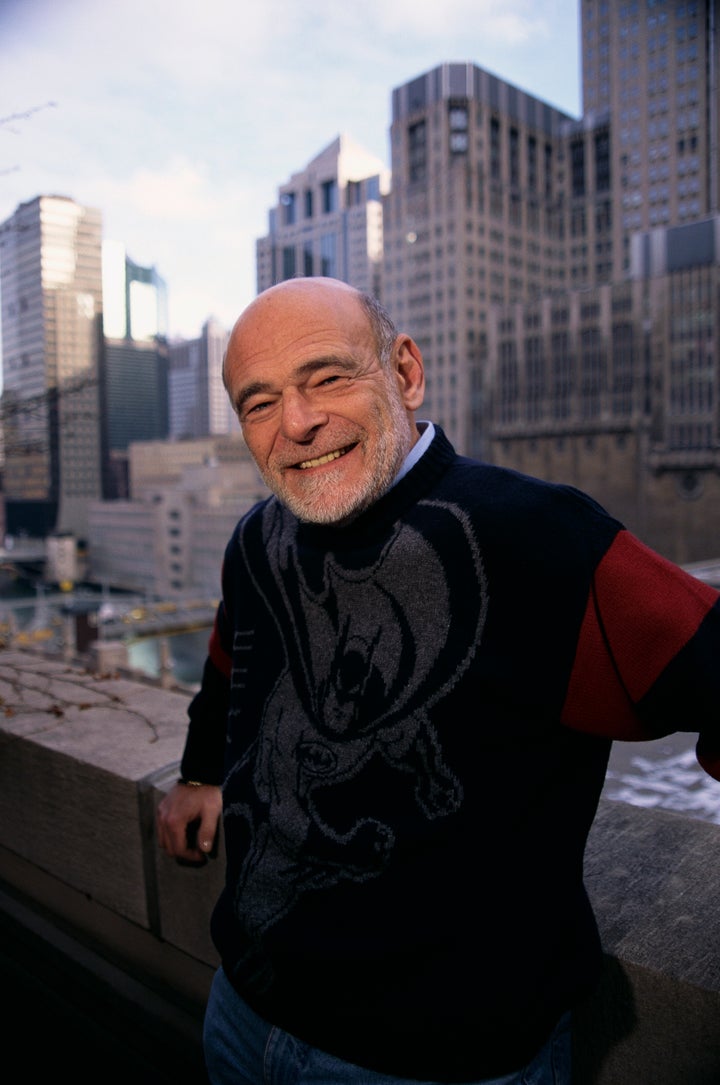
point(613, 385)
point(328, 220)
point(554, 270)
point(185, 499)
point(134, 385)
point(498, 198)
point(51, 285)
point(651, 67)
point(614, 389)
point(198, 403)
point(134, 297)
point(475, 218)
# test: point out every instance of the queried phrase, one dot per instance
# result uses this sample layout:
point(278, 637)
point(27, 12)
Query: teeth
point(328, 458)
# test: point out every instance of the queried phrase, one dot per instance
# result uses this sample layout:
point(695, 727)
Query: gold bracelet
point(192, 783)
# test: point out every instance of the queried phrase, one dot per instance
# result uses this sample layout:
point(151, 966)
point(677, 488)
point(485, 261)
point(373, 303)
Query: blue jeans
point(242, 1049)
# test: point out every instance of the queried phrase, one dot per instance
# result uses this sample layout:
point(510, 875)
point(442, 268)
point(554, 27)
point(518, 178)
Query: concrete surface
point(105, 940)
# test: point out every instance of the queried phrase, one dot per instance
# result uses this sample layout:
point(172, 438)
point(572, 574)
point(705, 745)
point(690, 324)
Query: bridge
point(27, 556)
point(137, 620)
point(65, 622)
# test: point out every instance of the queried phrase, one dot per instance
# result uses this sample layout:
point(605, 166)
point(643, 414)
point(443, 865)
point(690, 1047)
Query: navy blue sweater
point(411, 718)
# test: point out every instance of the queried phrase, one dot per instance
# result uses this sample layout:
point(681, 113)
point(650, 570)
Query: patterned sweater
point(411, 718)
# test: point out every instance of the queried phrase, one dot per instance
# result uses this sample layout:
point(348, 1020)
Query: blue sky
point(179, 120)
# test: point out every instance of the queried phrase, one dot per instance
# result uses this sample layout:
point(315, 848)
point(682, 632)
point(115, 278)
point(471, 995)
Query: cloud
point(179, 121)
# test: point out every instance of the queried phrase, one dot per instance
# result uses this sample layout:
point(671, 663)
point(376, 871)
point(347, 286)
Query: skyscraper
point(328, 220)
point(474, 219)
point(134, 385)
point(198, 403)
point(613, 384)
point(134, 297)
point(51, 284)
point(652, 67)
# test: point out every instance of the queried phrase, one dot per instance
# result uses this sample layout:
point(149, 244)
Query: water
point(187, 655)
point(35, 613)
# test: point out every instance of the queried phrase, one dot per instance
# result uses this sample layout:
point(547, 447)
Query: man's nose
point(301, 416)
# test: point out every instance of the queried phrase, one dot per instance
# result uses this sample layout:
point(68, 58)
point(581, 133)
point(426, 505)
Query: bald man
point(416, 671)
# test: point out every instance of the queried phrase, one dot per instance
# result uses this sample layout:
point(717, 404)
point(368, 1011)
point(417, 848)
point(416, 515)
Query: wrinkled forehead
point(297, 324)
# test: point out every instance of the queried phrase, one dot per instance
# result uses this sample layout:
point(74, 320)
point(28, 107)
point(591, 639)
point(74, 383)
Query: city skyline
point(179, 132)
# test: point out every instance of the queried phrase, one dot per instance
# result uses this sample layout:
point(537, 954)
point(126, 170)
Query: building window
point(535, 378)
point(289, 205)
point(458, 117)
point(593, 373)
point(532, 180)
point(602, 162)
point(548, 169)
point(417, 152)
point(495, 169)
point(514, 148)
point(288, 261)
point(623, 363)
point(577, 157)
point(329, 194)
point(308, 203)
point(509, 384)
point(561, 375)
point(328, 256)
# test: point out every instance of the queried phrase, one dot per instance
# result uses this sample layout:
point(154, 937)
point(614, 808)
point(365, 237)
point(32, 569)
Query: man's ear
point(409, 371)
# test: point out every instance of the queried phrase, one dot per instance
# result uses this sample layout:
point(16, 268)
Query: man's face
point(327, 425)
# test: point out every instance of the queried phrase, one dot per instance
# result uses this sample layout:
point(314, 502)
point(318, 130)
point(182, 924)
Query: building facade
point(614, 384)
point(134, 383)
point(51, 285)
point(651, 67)
point(559, 273)
point(169, 537)
point(198, 403)
point(474, 219)
point(328, 221)
point(615, 389)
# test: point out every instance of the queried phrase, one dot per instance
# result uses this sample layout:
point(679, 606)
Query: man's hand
point(187, 821)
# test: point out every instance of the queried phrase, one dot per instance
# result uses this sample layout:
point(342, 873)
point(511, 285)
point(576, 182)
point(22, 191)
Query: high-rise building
point(499, 199)
point(198, 403)
point(51, 285)
point(328, 221)
point(614, 389)
point(134, 297)
point(474, 219)
point(651, 67)
point(613, 385)
point(134, 385)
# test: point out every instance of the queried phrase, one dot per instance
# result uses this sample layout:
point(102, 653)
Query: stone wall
point(86, 757)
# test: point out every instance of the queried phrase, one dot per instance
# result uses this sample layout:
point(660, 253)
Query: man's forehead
point(296, 324)
point(314, 306)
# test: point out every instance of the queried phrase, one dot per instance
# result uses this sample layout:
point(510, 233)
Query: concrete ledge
point(84, 760)
point(653, 880)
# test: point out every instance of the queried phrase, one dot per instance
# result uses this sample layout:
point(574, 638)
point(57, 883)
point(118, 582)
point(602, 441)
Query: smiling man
point(416, 672)
point(324, 389)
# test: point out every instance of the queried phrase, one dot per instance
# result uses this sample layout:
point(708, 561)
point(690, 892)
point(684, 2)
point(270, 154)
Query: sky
point(180, 120)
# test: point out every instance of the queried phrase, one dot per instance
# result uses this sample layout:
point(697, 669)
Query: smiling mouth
point(327, 458)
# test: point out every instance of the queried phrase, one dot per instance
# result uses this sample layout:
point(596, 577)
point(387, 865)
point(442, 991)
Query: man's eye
point(256, 408)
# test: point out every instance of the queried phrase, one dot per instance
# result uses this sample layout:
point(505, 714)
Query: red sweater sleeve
point(641, 612)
